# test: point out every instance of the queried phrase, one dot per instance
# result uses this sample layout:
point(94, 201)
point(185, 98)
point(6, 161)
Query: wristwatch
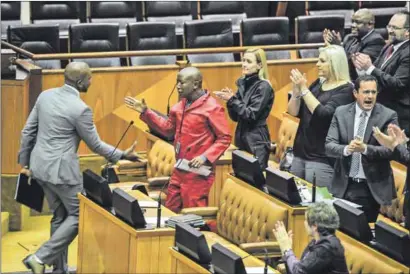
point(303, 93)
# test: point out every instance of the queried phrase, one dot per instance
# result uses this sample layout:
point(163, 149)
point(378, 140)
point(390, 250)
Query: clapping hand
point(284, 238)
point(130, 154)
point(331, 37)
point(361, 61)
point(356, 145)
point(225, 94)
point(395, 136)
point(135, 104)
point(298, 80)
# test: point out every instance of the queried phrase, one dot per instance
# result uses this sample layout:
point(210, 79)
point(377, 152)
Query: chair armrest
point(206, 211)
point(158, 181)
point(258, 249)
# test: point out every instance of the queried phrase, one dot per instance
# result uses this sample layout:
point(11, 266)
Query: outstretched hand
point(284, 238)
point(135, 104)
point(130, 154)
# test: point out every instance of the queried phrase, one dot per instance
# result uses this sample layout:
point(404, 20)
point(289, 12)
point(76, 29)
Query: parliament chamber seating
point(245, 216)
point(121, 12)
point(160, 162)
point(209, 34)
point(344, 8)
point(10, 16)
point(177, 12)
point(309, 29)
point(152, 36)
point(286, 137)
point(266, 31)
point(63, 13)
point(95, 37)
point(394, 212)
point(360, 261)
point(222, 10)
point(37, 40)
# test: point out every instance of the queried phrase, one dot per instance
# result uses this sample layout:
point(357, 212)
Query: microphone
point(159, 209)
point(265, 268)
point(107, 171)
point(169, 98)
point(314, 188)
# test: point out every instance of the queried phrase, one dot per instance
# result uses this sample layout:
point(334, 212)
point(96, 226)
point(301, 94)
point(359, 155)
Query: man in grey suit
point(362, 172)
point(48, 153)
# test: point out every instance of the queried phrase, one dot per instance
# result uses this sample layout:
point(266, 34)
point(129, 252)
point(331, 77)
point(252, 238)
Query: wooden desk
point(223, 167)
point(183, 265)
point(108, 245)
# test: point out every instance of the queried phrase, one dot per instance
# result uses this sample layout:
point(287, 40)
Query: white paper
point(153, 220)
point(148, 204)
point(257, 270)
point(182, 164)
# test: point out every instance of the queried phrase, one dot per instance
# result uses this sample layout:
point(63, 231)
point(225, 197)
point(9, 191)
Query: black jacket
point(370, 45)
point(394, 82)
point(325, 256)
point(250, 107)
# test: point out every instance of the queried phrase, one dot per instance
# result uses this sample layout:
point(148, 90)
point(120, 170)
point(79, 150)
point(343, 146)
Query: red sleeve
point(162, 125)
point(219, 125)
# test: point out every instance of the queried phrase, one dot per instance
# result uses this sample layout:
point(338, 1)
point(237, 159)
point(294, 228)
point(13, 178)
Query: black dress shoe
point(31, 263)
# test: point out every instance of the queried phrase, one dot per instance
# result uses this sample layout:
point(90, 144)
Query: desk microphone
point(107, 169)
point(314, 188)
point(265, 268)
point(169, 98)
point(159, 209)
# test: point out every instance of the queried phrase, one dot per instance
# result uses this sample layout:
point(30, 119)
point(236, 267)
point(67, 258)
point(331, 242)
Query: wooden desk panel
point(108, 245)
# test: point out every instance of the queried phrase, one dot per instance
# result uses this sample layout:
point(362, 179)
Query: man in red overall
point(202, 135)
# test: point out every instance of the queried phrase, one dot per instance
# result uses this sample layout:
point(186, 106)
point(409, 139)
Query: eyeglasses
point(394, 27)
point(368, 92)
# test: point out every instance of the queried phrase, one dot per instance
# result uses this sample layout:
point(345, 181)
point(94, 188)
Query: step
point(4, 223)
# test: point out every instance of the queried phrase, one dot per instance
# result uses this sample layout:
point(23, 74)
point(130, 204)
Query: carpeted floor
point(17, 245)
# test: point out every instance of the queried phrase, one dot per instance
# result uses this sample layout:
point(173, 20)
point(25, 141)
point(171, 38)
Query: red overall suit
point(200, 129)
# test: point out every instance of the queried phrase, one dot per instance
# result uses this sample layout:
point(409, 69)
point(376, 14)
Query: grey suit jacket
point(53, 131)
point(376, 162)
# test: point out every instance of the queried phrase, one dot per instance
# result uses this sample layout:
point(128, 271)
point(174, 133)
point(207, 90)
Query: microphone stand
point(107, 165)
point(265, 268)
point(169, 98)
point(314, 188)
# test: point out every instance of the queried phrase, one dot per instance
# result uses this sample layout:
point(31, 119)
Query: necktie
point(389, 52)
point(356, 157)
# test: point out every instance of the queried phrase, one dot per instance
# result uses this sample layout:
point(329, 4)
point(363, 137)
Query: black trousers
point(360, 194)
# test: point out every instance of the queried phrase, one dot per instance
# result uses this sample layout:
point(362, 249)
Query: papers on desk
point(148, 204)
point(153, 220)
point(257, 270)
point(182, 164)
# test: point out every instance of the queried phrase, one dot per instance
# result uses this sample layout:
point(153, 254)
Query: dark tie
point(389, 52)
point(354, 167)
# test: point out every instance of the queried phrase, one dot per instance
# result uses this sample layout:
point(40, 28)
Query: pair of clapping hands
point(394, 137)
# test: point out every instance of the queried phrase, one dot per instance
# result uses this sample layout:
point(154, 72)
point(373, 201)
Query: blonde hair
point(339, 68)
point(260, 58)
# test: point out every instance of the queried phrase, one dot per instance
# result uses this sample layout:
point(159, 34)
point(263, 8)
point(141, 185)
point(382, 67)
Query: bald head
point(191, 73)
point(78, 75)
point(365, 15)
point(189, 83)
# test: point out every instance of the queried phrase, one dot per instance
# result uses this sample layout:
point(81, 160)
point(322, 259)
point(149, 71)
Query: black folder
point(29, 193)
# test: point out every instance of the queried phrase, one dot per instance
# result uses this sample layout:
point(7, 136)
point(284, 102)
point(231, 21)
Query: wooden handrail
point(17, 49)
point(124, 54)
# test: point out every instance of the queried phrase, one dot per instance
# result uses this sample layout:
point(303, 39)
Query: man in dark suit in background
point(362, 169)
point(396, 141)
point(363, 38)
point(392, 69)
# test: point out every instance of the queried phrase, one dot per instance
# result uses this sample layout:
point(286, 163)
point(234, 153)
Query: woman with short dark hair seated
point(325, 253)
